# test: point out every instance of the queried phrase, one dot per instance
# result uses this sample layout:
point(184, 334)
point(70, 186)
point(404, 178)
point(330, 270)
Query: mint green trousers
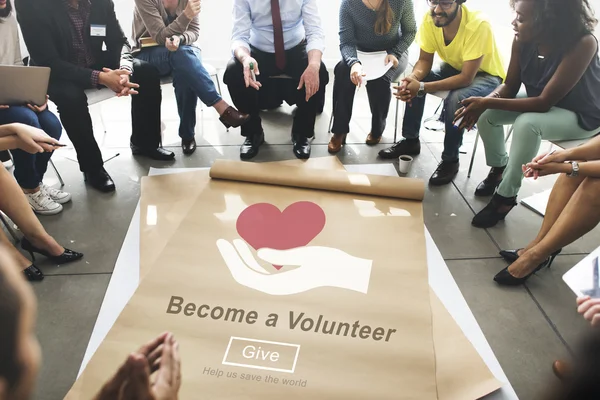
point(529, 129)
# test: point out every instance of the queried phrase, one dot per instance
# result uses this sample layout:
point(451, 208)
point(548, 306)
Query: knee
point(52, 125)
point(341, 70)
point(234, 73)
point(145, 73)
point(324, 76)
point(24, 115)
point(590, 188)
point(185, 53)
point(527, 125)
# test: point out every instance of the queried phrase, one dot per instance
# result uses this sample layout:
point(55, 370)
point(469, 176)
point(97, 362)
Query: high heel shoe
point(513, 255)
point(33, 273)
point(491, 214)
point(66, 257)
point(505, 278)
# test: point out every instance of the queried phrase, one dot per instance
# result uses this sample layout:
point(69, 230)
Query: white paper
point(584, 278)
point(373, 64)
point(537, 202)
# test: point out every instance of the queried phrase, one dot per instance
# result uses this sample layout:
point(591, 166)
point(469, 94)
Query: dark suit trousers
point(273, 90)
point(75, 115)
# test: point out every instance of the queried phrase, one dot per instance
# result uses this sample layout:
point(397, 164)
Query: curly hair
point(561, 22)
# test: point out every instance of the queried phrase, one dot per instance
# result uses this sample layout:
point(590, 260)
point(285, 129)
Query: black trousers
point(274, 90)
point(378, 91)
point(73, 109)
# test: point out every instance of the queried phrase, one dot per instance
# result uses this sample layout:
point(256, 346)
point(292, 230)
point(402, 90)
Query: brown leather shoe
point(233, 118)
point(560, 369)
point(336, 143)
point(372, 140)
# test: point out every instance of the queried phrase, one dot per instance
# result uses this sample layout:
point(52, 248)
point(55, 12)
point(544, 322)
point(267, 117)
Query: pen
point(252, 72)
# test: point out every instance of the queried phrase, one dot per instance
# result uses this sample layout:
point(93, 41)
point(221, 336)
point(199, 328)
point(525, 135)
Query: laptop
point(23, 85)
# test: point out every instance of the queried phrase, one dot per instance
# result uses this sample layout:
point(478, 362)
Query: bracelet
point(496, 95)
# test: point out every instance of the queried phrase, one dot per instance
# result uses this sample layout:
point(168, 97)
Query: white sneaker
point(57, 195)
point(42, 204)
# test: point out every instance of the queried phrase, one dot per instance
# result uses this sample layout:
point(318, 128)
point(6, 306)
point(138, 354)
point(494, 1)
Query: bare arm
point(464, 79)
point(587, 151)
point(423, 67)
point(567, 75)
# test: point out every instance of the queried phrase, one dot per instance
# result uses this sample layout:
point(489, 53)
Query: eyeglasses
point(444, 4)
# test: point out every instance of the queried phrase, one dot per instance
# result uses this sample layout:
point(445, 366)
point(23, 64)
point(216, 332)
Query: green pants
point(528, 131)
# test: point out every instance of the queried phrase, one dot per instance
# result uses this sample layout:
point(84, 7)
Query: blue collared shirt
point(253, 24)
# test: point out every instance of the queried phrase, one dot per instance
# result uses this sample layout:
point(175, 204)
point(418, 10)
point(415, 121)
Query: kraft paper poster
point(350, 323)
point(461, 373)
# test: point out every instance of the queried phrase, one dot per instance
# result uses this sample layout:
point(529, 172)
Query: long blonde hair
point(385, 18)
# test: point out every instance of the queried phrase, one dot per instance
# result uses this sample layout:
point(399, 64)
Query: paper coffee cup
point(405, 163)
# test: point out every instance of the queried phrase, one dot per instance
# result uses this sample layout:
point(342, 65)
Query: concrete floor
point(528, 327)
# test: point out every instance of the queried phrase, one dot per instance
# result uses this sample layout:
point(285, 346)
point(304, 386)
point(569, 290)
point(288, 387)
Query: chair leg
point(9, 228)
point(510, 132)
point(396, 120)
point(473, 155)
point(60, 179)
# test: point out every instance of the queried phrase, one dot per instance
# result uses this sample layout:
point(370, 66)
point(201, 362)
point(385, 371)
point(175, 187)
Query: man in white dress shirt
point(273, 38)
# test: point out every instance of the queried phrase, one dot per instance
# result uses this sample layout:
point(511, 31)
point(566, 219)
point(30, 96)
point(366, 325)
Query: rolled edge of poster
point(320, 179)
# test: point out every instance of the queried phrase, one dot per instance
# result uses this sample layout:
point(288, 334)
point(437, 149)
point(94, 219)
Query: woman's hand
point(33, 140)
point(356, 74)
point(535, 170)
point(590, 309)
point(38, 109)
point(471, 110)
point(558, 156)
point(390, 58)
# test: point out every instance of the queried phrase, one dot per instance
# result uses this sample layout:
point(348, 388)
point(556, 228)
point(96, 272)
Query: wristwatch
point(421, 91)
point(575, 171)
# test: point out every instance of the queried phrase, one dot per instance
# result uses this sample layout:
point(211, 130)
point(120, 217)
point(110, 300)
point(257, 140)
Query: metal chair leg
point(9, 228)
point(396, 124)
point(60, 179)
point(510, 132)
point(473, 155)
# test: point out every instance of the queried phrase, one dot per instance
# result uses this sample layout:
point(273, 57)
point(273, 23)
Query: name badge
point(98, 30)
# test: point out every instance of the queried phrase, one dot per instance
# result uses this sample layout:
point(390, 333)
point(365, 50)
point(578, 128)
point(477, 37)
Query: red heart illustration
point(264, 225)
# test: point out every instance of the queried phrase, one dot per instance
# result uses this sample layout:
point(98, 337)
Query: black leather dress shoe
point(405, 147)
point(251, 145)
point(159, 153)
point(445, 172)
point(100, 180)
point(488, 186)
point(188, 146)
point(301, 147)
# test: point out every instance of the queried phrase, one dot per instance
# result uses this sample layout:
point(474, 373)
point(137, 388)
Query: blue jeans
point(482, 85)
point(30, 168)
point(190, 80)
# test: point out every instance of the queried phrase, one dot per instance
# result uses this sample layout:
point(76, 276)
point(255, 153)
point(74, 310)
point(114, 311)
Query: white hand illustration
point(316, 267)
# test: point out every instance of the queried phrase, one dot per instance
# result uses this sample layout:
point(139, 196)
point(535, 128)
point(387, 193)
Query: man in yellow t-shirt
point(472, 66)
